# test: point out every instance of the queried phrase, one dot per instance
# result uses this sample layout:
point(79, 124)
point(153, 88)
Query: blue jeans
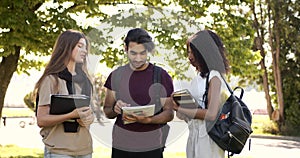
point(48, 154)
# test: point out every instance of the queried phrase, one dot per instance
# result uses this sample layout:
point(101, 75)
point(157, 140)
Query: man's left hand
point(137, 118)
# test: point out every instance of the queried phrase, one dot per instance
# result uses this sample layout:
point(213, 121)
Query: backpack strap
point(205, 95)
point(204, 98)
point(165, 128)
point(232, 91)
point(36, 104)
point(157, 88)
point(228, 87)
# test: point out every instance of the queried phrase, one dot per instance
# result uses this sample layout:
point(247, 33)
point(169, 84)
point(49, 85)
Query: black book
point(185, 100)
point(62, 104)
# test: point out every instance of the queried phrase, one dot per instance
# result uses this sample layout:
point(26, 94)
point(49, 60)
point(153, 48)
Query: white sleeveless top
point(199, 144)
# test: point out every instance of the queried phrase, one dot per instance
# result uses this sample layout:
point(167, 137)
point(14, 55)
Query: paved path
point(261, 146)
point(272, 147)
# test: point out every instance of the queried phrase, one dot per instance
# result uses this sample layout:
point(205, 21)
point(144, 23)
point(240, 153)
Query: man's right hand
point(117, 108)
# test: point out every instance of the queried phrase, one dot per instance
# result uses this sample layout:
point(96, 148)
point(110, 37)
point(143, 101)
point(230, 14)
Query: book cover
point(146, 110)
point(62, 104)
point(185, 100)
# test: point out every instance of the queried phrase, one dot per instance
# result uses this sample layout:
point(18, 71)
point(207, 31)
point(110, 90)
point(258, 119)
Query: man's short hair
point(139, 36)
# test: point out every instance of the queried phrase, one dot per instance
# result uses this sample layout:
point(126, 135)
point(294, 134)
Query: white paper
point(146, 110)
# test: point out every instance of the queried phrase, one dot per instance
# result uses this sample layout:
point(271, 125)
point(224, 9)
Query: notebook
point(62, 104)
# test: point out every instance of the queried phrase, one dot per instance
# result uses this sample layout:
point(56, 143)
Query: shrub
point(271, 127)
point(29, 101)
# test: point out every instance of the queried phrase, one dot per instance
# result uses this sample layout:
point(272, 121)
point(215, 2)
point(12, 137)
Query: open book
point(62, 104)
point(146, 110)
point(185, 100)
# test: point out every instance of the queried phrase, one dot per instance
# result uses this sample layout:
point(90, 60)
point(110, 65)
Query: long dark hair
point(199, 58)
point(61, 55)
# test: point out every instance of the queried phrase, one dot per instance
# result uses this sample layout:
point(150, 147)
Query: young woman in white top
point(200, 55)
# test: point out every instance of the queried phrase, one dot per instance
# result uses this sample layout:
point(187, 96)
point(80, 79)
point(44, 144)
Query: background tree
point(30, 28)
point(260, 24)
point(172, 27)
point(276, 21)
point(284, 42)
point(277, 36)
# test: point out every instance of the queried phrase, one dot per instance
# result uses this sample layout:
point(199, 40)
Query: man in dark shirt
point(133, 85)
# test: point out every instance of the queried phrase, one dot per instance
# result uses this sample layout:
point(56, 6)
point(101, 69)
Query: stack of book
point(184, 99)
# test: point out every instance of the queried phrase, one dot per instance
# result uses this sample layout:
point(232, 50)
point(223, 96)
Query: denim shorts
point(48, 154)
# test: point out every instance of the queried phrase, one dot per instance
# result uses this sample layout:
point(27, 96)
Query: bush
point(290, 130)
point(29, 101)
point(271, 127)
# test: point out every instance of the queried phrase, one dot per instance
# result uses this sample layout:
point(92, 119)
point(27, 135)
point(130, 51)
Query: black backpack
point(231, 132)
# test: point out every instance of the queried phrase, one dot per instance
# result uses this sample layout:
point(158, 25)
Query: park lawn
point(13, 151)
point(17, 112)
point(261, 124)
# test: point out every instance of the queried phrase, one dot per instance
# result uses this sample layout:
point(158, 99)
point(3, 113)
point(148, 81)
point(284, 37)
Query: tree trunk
point(8, 66)
point(258, 45)
point(275, 55)
point(270, 108)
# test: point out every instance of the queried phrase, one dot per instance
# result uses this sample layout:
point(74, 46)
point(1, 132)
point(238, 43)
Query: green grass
point(12, 112)
point(262, 125)
point(12, 151)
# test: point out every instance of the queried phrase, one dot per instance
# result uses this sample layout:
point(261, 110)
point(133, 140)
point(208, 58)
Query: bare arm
point(109, 102)
point(214, 100)
point(44, 119)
